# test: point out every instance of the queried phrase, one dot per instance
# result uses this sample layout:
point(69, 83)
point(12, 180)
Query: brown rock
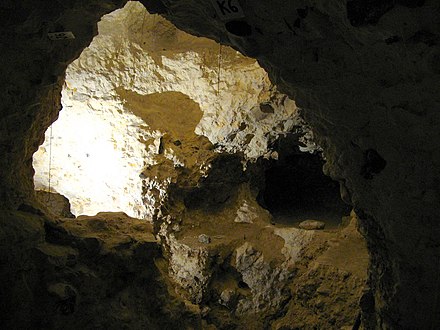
point(312, 225)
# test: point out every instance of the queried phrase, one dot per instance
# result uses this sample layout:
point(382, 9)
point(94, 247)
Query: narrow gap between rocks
point(296, 189)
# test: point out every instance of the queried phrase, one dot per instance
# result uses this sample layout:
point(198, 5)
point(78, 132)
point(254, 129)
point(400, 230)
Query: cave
point(299, 189)
point(296, 189)
point(123, 108)
point(353, 85)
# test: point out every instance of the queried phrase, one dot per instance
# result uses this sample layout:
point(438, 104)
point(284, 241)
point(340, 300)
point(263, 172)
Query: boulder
point(312, 225)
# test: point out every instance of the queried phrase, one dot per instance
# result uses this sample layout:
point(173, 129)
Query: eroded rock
point(58, 204)
point(246, 214)
point(106, 136)
point(204, 239)
point(359, 93)
point(312, 225)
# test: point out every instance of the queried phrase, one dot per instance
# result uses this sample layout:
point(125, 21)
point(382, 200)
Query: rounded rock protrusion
point(66, 297)
point(205, 239)
point(312, 225)
point(228, 298)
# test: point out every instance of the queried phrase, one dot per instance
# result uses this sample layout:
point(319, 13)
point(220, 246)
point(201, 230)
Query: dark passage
point(296, 189)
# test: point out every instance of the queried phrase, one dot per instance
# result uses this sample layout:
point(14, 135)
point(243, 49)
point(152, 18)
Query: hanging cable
point(50, 147)
point(50, 160)
point(219, 69)
point(142, 28)
point(153, 28)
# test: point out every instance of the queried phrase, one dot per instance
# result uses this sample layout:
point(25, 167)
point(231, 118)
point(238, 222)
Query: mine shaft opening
point(296, 189)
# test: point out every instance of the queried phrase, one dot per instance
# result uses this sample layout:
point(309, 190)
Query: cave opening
point(296, 189)
point(171, 128)
point(367, 77)
point(142, 93)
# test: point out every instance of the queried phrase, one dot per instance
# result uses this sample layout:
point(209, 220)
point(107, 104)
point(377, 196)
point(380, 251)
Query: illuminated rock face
point(366, 75)
point(101, 143)
point(252, 268)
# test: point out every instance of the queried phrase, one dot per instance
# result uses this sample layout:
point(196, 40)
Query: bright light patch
point(96, 159)
point(100, 148)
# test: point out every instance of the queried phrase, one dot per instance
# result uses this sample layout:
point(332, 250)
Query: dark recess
point(239, 28)
point(365, 12)
point(296, 186)
point(155, 6)
point(219, 187)
point(373, 164)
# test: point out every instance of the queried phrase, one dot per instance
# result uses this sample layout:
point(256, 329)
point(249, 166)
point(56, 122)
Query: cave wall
point(365, 74)
point(101, 142)
point(367, 80)
point(33, 68)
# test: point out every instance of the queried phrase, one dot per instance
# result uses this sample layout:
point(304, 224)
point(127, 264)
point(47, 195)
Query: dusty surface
point(108, 271)
point(93, 272)
point(248, 272)
point(325, 294)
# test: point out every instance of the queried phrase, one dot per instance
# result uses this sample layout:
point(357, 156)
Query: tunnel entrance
point(127, 104)
point(296, 189)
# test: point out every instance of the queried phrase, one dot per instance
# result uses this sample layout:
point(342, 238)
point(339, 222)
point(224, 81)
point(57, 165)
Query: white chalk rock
point(246, 213)
point(312, 225)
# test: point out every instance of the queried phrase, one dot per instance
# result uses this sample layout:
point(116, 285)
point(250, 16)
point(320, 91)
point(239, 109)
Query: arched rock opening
point(369, 84)
point(143, 93)
point(161, 125)
point(296, 189)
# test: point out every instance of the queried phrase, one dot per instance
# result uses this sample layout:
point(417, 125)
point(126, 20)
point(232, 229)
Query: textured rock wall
point(33, 70)
point(104, 139)
point(229, 259)
point(90, 272)
point(366, 75)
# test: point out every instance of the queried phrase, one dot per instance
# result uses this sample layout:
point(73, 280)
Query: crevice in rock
point(296, 189)
point(373, 164)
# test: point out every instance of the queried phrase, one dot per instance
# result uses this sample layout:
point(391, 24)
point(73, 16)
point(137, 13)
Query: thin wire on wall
point(219, 68)
point(50, 148)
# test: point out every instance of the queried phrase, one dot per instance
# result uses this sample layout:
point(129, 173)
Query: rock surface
point(246, 213)
point(312, 225)
point(88, 272)
point(105, 136)
point(365, 75)
point(245, 275)
point(57, 204)
point(204, 239)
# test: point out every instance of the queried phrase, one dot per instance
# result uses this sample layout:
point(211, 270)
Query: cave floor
point(346, 248)
point(330, 265)
point(333, 220)
point(118, 252)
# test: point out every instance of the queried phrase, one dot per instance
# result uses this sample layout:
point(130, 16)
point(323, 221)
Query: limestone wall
point(102, 142)
point(367, 76)
point(365, 73)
